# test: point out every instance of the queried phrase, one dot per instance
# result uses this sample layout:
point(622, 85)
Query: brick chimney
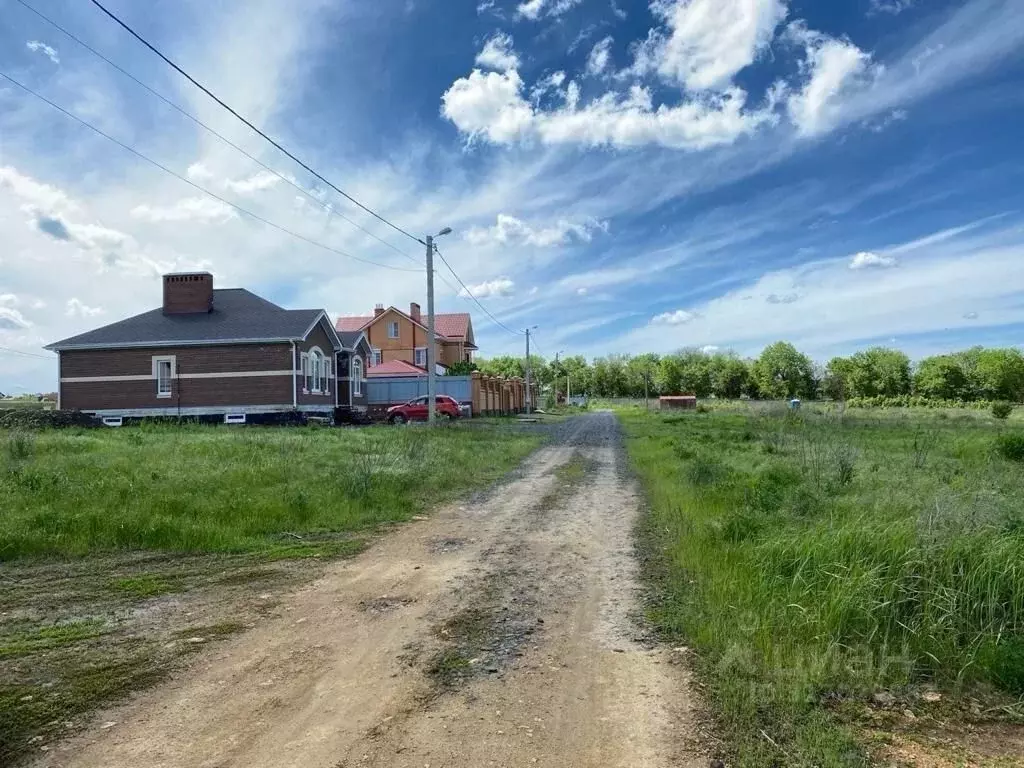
point(414, 312)
point(378, 310)
point(188, 293)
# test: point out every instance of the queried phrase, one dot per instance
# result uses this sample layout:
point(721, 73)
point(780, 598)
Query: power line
point(201, 124)
point(26, 354)
point(192, 184)
point(209, 93)
point(469, 293)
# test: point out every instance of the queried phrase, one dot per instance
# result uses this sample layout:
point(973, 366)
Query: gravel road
point(499, 632)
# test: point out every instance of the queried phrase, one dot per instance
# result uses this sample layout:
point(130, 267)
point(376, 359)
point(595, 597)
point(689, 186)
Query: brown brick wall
point(185, 392)
point(212, 359)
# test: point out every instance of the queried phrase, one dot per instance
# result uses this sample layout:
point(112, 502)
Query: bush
point(1002, 410)
point(33, 418)
point(19, 446)
point(1010, 445)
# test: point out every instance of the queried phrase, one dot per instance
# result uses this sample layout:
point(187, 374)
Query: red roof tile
point(352, 323)
point(395, 368)
point(451, 325)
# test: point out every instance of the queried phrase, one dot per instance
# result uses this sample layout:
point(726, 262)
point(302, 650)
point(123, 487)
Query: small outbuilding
point(677, 402)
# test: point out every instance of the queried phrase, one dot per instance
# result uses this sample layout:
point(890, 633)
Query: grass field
point(832, 568)
point(199, 489)
point(123, 551)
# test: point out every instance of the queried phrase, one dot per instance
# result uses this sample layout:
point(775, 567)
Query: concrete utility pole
point(529, 391)
point(431, 341)
point(431, 367)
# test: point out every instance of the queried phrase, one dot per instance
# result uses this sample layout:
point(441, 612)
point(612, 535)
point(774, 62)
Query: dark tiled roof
point(237, 315)
point(349, 338)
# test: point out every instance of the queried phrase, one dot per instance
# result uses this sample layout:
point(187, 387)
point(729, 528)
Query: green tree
point(781, 371)
point(729, 375)
point(998, 374)
point(880, 371)
point(942, 377)
point(461, 368)
point(837, 382)
point(638, 370)
point(669, 376)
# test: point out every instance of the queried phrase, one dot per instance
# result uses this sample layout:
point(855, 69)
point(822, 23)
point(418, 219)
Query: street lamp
point(431, 341)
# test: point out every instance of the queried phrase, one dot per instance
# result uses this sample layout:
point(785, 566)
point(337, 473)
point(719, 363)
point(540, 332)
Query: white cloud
point(48, 51)
point(600, 57)
point(484, 6)
point(508, 230)
point(894, 7)
point(708, 42)
point(33, 192)
point(833, 69)
point(255, 183)
point(199, 172)
point(709, 349)
point(12, 320)
point(499, 288)
point(970, 315)
point(75, 308)
point(581, 291)
point(621, 14)
point(679, 317)
point(535, 9)
point(490, 106)
point(203, 209)
point(498, 54)
point(867, 260)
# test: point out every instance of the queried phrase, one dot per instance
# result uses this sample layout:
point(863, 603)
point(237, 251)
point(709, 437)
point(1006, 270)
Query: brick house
point(396, 335)
point(207, 352)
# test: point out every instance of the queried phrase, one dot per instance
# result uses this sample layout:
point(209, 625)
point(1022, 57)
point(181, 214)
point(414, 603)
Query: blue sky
point(628, 176)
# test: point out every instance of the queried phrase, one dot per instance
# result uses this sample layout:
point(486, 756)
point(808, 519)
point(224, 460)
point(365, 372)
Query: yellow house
point(397, 335)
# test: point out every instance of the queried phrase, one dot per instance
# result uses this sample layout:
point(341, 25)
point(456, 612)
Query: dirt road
point(500, 632)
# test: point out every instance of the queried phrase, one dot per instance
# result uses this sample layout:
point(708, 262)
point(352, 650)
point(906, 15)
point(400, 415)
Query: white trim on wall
point(207, 411)
point(171, 361)
point(152, 377)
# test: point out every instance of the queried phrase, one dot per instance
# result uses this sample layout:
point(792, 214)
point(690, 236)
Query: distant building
point(395, 335)
point(212, 352)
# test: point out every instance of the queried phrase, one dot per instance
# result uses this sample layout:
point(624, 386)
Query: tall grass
point(815, 560)
point(204, 489)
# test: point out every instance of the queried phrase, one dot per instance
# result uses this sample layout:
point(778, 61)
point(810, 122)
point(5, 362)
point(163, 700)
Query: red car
point(416, 410)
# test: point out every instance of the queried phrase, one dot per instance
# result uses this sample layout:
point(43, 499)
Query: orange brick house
point(395, 335)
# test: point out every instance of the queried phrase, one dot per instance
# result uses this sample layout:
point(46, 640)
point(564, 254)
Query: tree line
point(781, 371)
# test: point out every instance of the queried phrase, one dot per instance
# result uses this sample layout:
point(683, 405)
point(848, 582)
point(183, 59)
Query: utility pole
point(431, 367)
point(647, 374)
point(529, 394)
point(431, 340)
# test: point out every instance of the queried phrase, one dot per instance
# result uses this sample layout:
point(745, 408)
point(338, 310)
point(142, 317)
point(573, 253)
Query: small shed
point(677, 401)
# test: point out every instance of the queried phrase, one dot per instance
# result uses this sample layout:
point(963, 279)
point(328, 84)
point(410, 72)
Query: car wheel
point(397, 419)
point(451, 416)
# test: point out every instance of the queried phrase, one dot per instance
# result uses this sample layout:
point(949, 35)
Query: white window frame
point(393, 326)
point(356, 374)
point(113, 421)
point(304, 372)
point(159, 360)
point(234, 418)
point(376, 356)
point(416, 357)
point(316, 378)
point(327, 375)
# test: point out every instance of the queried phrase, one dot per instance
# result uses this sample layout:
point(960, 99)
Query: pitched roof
point(350, 338)
point(238, 316)
point(395, 368)
point(450, 325)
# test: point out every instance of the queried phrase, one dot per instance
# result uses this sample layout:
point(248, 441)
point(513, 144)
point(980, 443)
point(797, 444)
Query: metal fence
point(402, 389)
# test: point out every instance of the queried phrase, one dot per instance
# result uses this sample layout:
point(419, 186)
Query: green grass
point(813, 560)
point(202, 489)
point(37, 639)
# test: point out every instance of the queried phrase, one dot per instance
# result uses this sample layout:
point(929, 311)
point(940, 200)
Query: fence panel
point(402, 389)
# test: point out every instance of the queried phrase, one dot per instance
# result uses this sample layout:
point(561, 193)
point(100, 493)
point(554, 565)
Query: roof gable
point(457, 326)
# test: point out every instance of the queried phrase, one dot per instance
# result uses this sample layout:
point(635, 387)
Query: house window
point(327, 376)
point(393, 329)
point(419, 357)
point(315, 374)
point(357, 376)
point(163, 372)
point(376, 357)
point(305, 368)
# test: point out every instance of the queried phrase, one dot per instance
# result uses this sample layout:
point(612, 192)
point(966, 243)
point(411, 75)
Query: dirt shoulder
point(499, 632)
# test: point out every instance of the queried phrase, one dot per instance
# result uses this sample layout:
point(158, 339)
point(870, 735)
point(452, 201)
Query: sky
point(627, 175)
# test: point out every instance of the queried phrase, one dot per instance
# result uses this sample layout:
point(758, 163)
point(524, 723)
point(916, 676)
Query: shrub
point(1010, 445)
point(34, 418)
point(19, 446)
point(1002, 410)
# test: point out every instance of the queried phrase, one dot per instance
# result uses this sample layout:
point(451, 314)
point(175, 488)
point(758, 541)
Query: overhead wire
point(26, 354)
point(198, 187)
point(226, 106)
point(470, 295)
point(327, 207)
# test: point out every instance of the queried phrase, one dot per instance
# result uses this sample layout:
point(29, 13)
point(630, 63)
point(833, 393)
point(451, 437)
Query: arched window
point(357, 376)
point(315, 371)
